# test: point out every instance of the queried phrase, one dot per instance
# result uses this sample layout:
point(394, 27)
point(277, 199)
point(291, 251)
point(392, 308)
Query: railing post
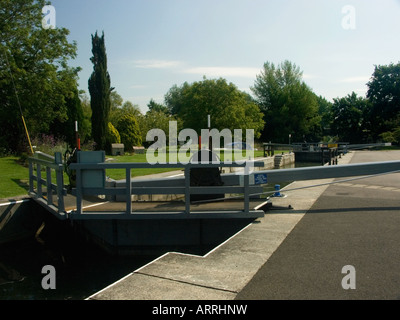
point(59, 181)
point(31, 188)
point(246, 183)
point(60, 188)
point(39, 180)
point(128, 191)
point(49, 187)
point(78, 191)
point(187, 189)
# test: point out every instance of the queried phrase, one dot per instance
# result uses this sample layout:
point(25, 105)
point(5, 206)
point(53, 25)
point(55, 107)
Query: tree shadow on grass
point(22, 183)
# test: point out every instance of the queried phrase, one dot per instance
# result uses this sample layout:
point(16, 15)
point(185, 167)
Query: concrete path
point(225, 271)
point(355, 223)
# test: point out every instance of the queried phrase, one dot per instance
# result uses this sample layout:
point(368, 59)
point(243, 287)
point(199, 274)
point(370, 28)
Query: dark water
point(80, 268)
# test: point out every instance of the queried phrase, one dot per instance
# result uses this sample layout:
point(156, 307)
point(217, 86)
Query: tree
point(132, 109)
point(115, 100)
point(349, 115)
point(112, 136)
point(154, 106)
point(66, 129)
point(384, 94)
point(325, 113)
point(156, 120)
point(129, 131)
point(174, 98)
point(127, 108)
point(228, 107)
point(35, 60)
point(100, 91)
point(289, 105)
point(85, 126)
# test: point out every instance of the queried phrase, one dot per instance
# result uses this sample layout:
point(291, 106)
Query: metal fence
point(37, 167)
point(90, 174)
point(90, 181)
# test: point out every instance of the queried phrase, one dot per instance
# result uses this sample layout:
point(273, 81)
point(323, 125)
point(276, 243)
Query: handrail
point(187, 190)
point(144, 165)
point(38, 195)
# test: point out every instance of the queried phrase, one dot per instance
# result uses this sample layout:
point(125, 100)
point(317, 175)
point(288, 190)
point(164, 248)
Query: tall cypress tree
point(100, 90)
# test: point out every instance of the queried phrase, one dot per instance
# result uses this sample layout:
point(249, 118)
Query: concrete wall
point(284, 160)
point(309, 156)
point(125, 237)
point(19, 219)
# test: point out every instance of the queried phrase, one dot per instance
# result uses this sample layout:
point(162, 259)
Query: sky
point(155, 44)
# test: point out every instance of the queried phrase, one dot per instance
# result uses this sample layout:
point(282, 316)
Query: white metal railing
point(36, 166)
point(187, 190)
point(233, 183)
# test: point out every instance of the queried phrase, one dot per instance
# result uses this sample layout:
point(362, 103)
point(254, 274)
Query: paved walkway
point(354, 223)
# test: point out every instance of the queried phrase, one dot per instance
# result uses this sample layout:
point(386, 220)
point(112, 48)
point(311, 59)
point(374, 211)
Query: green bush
point(49, 144)
point(391, 136)
point(113, 136)
point(129, 131)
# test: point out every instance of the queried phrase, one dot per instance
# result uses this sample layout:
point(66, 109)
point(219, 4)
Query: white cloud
point(179, 66)
point(364, 79)
point(310, 76)
point(243, 72)
point(137, 86)
point(156, 64)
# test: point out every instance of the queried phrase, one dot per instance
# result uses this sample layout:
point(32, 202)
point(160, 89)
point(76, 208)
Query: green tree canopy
point(349, 118)
point(85, 126)
point(154, 106)
point(129, 131)
point(228, 107)
point(156, 120)
point(174, 98)
point(127, 108)
point(384, 94)
point(37, 60)
point(112, 136)
point(289, 105)
point(115, 100)
point(100, 91)
point(66, 129)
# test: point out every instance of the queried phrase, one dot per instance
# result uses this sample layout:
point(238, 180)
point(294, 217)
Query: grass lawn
point(119, 174)
point(14, 179)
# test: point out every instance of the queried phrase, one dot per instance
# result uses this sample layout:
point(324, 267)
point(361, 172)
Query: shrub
point(48, 144)
point(112, 137)
point(129, 131)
